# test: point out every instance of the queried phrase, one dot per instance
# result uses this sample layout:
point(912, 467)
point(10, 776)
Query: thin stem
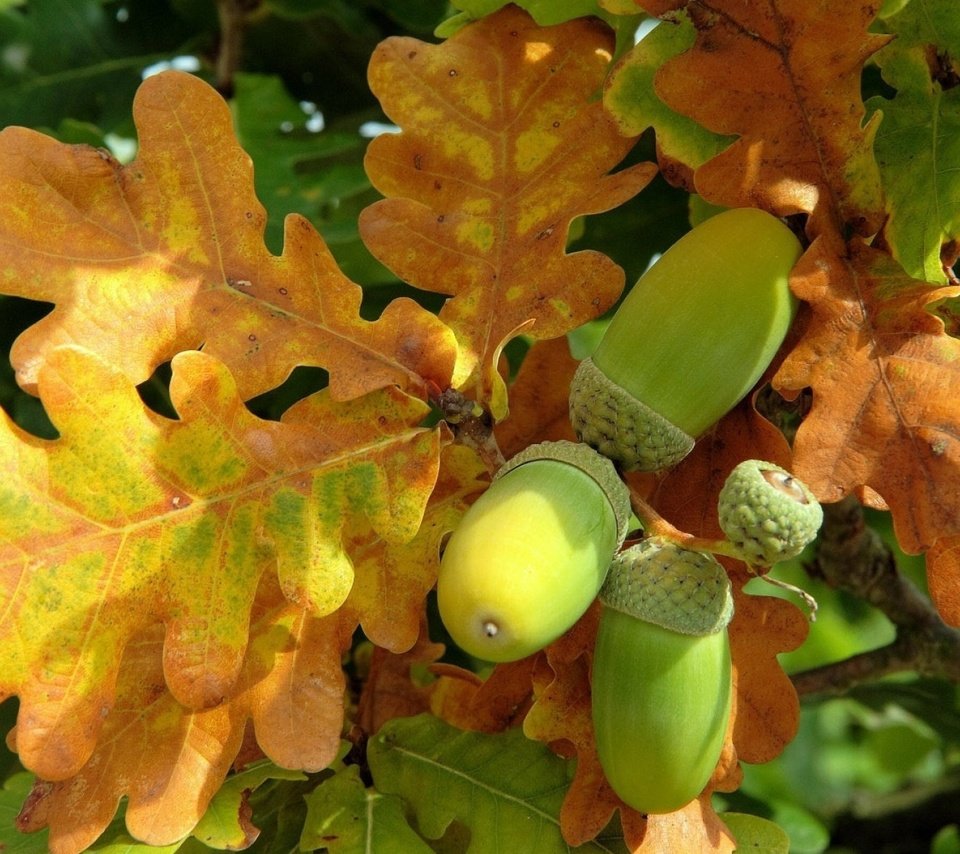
point(656, 526)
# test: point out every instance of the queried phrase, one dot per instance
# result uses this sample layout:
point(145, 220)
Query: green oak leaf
point(918, 148)
point(225, 824)
point(506, 789)
point(756, 835)
point(344, 817)
point(631, 98)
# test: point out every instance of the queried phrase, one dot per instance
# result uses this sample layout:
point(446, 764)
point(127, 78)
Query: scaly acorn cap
point(767, 513)
point(689, 341)
point(660, 582)
point(591, 463)
point(620, 427)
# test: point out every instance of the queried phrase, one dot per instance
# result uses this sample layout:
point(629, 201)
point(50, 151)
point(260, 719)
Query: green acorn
point(529, 556)
point(661, 679)
point(767, 513)
point(690, 340)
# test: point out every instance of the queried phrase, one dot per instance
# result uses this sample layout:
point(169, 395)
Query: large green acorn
point(661, 678)
point(690, 340)
point(530, 554)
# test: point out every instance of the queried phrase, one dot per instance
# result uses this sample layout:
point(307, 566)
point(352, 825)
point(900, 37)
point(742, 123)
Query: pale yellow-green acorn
point(529, 556)
point(661, 678)
point(688, 342)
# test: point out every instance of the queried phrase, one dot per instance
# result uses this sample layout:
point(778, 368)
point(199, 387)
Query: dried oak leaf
point(493, 704)
point(943, 568)
point(783, 75)
point(129, 519)
point(169, 761)
point(391, 689)
point(167, 253)
point(503, 142)
point(539, 398)
point(885, 380)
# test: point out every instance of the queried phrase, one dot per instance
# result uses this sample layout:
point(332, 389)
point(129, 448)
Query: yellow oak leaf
point(167, 253)
point(169, 761)
point(885, 379)
point(784, 76)
point(130, 518)
point(391, 580)
point(504, 141)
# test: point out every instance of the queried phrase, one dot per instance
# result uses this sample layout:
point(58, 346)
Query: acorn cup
point(530, 554)
point(766, 513)
point(661, 677)
point(688, 342)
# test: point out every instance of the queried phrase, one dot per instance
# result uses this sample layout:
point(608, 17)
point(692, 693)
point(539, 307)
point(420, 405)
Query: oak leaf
point(539, 398)
point(498, 702)
point(129, 519)
point(344, 816)
point(169, 761)
point(390, 689)
point(885, 381)
point(943, 568)
point(630, 96)
point(503, 143)
point(918, 147)
point(784, 76)
point(167, 253)
point(392, 580)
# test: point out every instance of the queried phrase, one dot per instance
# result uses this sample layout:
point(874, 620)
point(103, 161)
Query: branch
point(233, 18)
point(852, 557)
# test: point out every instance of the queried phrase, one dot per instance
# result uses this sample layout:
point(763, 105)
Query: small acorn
point(530, 554)
point(766, 513)
point(689, 341)
point(661, 678)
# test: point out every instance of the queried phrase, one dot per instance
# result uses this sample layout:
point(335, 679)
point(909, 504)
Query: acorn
point(529, 555)
point(766, 513)
point(688, 342)
point(661, 676)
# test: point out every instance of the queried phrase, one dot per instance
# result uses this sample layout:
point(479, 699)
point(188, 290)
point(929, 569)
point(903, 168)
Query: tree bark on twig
point(851, 556)
point(232, 15)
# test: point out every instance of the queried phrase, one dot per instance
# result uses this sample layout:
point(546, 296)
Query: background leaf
point(61, 56)
point(917, 142)
point(344, 817)
point(448, 775)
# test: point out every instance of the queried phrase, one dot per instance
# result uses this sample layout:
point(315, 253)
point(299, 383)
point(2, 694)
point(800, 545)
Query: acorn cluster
point(690, 340)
